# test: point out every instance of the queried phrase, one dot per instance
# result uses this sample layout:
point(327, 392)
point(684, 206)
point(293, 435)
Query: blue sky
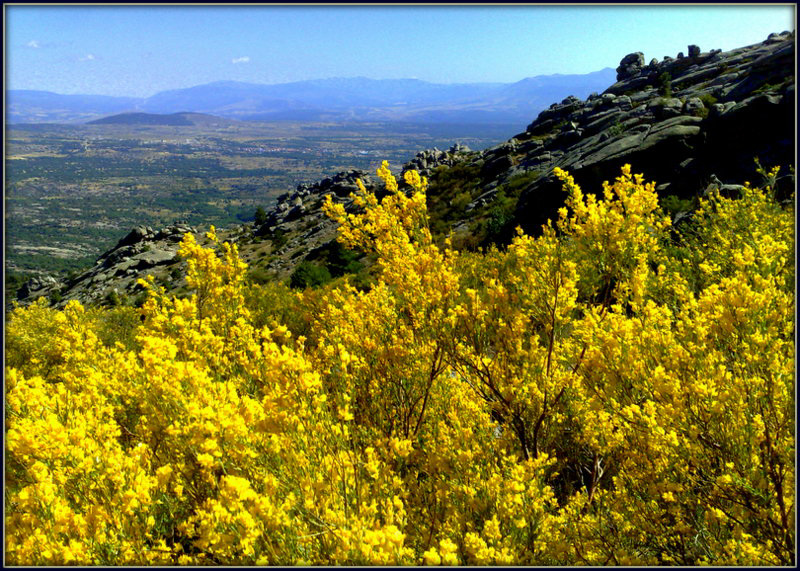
point(140, 50)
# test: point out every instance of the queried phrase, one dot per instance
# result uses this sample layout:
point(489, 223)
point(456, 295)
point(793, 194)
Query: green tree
point(261, 216)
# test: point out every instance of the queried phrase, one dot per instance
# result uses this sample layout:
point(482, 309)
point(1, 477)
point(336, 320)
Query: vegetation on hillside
point(614, 391)
point(454, 198)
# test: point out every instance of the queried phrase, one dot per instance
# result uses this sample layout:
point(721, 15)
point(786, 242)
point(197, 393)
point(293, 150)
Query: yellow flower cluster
point(612, 391)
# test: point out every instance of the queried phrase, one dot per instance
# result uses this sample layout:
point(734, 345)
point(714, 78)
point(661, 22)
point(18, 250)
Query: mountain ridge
point(342, 97)
point(182, 118)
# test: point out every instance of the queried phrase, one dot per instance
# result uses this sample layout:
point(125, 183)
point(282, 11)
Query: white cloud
point(243, 59)
point(87, 57)
point(33, 44)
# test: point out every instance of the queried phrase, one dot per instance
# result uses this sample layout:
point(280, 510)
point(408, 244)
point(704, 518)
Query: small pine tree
point(261, 216)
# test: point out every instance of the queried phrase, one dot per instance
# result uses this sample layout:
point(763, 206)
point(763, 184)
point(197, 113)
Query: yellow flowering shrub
point(613, 391)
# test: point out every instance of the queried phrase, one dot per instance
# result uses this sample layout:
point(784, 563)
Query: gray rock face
point(134, 236)
point(630, 65)
point(665, 108)
point(153, 258)
point(497, 165)
point(140, 251)
point(39, 286)
point(693, 105)
point(293, 206)
point(773, 56)
point(426, 161)
point(674, 140)
point(298, 214)
point(624, 103)
point(778, 37)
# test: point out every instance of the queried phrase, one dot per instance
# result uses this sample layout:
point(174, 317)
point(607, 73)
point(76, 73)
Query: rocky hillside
point(686, 122)
point(142, 251)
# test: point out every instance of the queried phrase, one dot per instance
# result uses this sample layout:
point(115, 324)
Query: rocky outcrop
point(630, 66)
point(297, 223)
point(39, 286)
point(426, 161)
point(307, 197)
point(141, 252)
point(720, 111)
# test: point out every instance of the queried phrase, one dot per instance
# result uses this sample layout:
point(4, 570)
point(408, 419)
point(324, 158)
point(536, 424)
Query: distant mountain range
point(338, 99)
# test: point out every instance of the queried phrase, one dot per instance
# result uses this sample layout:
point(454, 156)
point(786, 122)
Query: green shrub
point(500, 214)
point(278, 239)
point(665, 84)
point(335, 259)
point(117, 325)
point(258, 276)
point(615, 130)
point(341, 261)
point(272, 303)
point(14, 281)
point(708, 99)
point(767, 87)
point(449, 192)
point(139, 300)
point(113, 298)
point(308, 274)
point(460, 202)
point(673, 204)
point(519, 182)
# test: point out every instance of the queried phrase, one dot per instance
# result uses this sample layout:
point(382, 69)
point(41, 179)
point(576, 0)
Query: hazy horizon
point(137, 51)
point(312, 79)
